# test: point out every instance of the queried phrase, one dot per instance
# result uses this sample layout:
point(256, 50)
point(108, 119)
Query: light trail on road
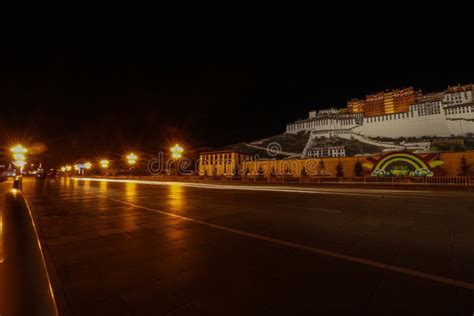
point(286, 189)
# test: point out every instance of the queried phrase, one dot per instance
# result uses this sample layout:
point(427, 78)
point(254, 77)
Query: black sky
point(87, 83)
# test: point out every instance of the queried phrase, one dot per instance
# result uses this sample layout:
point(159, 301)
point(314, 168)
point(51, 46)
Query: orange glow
point(103, 186)
point(1, 238)
point(131, 191)
point(176, 197)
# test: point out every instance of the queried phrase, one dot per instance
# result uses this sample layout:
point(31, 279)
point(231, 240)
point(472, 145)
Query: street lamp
point(104, 163)
point(132, 160)
point(88, 165)
point(19, 157)
point(176, 152)
point(19, 149)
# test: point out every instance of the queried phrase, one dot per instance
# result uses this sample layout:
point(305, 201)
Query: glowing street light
point(88, 165)
point(63, 169)
point(104, 163)
point(68, 168)
point(132, 159)
point(18, 149)
point(19, 157)
point(176, 151)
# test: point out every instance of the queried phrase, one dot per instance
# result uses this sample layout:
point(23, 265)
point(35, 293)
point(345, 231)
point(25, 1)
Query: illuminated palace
point(395, 114)
point(389, 102)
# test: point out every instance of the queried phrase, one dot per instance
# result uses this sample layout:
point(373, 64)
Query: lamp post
point(104, 164)
point(176, 154)
point(19, 161)
point(19, 158)
point(132, 160)
point(68, 170)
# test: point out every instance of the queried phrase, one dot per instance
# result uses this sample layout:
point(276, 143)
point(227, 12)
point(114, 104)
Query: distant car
point(52, 174)
point(7, 174)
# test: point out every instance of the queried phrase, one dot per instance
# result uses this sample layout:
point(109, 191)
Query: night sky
point(83, 84)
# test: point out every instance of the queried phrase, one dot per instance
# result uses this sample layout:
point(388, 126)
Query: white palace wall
point(413, 124)
point(422, 120)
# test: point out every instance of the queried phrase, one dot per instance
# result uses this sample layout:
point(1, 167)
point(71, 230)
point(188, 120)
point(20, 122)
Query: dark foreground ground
point(190, 249)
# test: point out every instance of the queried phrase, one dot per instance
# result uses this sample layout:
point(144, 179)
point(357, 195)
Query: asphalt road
point(194, 249)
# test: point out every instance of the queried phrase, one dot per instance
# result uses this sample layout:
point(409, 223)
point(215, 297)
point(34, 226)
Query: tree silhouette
point(303, 172)
point(358, 169)
point(339, 170)
point(464, 166)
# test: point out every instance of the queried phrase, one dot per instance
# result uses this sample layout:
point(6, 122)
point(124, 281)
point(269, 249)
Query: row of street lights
point(104, 164)
point(19, 159)
point(176, 153)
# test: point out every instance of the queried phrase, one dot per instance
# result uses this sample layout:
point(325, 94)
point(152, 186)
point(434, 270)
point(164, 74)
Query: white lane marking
point(313, 208)
point(371, 263)
point(322, 210)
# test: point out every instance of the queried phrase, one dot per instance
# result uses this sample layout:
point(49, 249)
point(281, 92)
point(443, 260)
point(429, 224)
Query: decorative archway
point(402, 165)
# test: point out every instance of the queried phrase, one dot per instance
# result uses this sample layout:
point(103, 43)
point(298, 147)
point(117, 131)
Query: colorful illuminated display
point(403, 165)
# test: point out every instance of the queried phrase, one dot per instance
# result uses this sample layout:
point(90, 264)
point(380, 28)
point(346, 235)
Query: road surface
point(196, 249)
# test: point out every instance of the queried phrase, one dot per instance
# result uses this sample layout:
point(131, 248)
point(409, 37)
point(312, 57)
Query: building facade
point(222, 163)
point(326, 152)
point(388, 102)
point(394, 164)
